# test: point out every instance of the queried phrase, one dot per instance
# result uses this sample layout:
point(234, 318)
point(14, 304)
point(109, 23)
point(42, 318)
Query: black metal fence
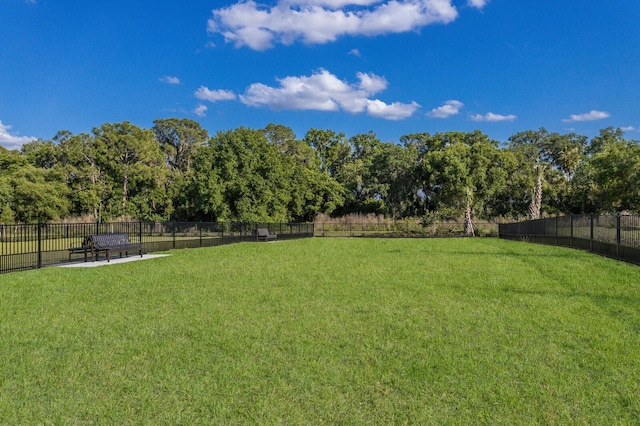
point(616, 236)
point(31, 246)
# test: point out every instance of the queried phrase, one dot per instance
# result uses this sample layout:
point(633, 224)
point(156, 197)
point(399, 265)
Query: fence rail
point(616, 236)
point(31, 246)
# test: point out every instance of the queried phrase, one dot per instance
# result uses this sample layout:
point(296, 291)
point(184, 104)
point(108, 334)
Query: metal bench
point(262, 234)
point(106, 243)
point(85, 248)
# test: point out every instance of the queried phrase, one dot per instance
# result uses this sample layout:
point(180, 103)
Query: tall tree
point(27, 193)
point(614, 171)
point(548, 162)
point(79, 168)
point(41, 153)
point(465, 171)
point(282, 137)
point(394, 171)
point(252, 175)
point(312, 190)
point(179, 138)
point(530, 147)
point(332, 148)
point(132, 157)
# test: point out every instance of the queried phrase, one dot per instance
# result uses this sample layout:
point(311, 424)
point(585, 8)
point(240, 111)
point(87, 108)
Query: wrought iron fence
point(31, 246)
point(616, 236)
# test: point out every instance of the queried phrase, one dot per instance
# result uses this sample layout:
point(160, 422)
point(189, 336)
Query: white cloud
point(10, 141)
point(323, 91)
point(394, 111)
point(206, 94)
point(169, 79)
point(201, 110)
point(259, 27)
point(332, 4)
point(449, 108)
point(372, 83)
point(479, 4)
point(589, 116)
point(356, 53)
point(630, 129)
point(491, 117)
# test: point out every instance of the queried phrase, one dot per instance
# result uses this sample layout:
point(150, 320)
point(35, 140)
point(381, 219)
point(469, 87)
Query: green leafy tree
point(357, 174)
point(332, 148)
point(394, 170)
point(131, 157)
point(27, 193)
point(41, 153)
point(78, 166)
point(465, 173)
point(251, 177)
point(611, 173)
point(547, 163)
point(179, 139)
point(312, 190)
point(282, 137)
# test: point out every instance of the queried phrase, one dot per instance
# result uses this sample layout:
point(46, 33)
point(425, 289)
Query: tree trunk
point(468, 224)
point(124, 193)
point(536, 202)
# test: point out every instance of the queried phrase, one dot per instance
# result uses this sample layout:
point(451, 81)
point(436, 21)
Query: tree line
point(177, 171)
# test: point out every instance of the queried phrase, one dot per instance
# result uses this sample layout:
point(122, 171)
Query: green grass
point(326, 331)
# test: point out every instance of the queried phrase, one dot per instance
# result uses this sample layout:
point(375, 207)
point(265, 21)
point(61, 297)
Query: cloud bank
point(589, 116)
point(321, 91)
point(10, 141)
point(260, 27)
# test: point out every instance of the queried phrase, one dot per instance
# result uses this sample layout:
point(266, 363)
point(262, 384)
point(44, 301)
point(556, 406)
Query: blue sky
point(393, 67)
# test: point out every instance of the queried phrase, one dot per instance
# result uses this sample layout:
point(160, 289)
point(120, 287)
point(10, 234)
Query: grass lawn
point(326, 331)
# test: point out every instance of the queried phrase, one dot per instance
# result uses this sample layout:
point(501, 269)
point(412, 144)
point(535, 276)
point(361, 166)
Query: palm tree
point(468, 224)
point(536, 201)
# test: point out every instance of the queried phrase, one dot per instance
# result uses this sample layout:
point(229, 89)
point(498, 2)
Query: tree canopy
point(177, 171)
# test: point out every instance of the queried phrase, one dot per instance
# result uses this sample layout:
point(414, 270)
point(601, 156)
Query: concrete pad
point(114, 261)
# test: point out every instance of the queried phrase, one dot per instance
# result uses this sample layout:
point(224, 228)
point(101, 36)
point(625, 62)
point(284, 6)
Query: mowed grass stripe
point(326, 331)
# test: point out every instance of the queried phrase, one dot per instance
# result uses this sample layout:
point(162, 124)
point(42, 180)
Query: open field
point(326, 331)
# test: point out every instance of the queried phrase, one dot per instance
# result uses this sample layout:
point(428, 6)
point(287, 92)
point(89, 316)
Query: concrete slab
point(114, 261)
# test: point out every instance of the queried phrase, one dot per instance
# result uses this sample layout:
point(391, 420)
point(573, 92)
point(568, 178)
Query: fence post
point(618, 221)
point(140, 230)
point(591, 234)
point(39, 244)
point(173, 233)
point(200, 232)
point(571, 234)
